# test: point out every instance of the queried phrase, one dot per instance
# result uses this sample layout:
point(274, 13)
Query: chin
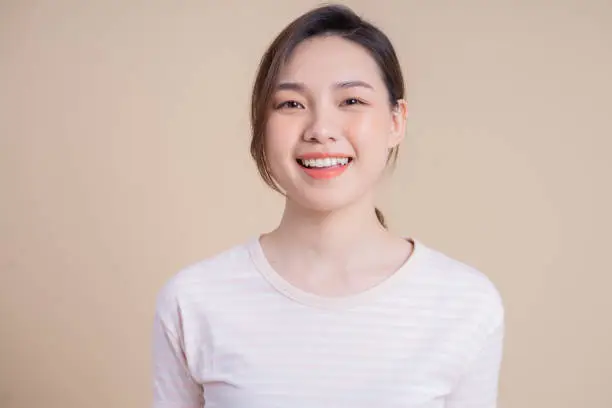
point(322, 201)
point(324, 196)
point(321, 206)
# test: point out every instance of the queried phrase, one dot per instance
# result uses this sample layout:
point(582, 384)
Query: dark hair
point(326, 20)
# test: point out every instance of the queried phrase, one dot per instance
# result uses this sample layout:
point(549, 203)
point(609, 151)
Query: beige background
point(124, 157)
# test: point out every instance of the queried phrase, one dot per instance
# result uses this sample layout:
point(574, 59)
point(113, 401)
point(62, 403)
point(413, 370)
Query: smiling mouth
point(324, 163)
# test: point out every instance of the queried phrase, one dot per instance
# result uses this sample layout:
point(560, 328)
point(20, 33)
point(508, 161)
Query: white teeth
point(327, 162)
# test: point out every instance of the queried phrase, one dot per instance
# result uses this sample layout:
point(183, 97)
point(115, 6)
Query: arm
point(478, 388)
point(173, 385)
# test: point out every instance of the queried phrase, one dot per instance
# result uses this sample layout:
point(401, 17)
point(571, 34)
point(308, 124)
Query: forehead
point(330, 59)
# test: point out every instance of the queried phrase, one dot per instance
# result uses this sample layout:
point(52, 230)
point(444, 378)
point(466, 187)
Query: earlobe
point(398, 123)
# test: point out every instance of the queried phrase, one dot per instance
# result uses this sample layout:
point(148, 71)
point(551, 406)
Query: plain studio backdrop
point(124, 157)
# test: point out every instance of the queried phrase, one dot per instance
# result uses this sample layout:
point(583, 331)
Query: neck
point(333, 236)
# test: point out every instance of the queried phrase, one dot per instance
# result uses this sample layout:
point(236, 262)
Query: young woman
point(329, 309)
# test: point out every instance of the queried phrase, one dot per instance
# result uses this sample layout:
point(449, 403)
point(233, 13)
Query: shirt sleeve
point(478, 387)
point(173, 384)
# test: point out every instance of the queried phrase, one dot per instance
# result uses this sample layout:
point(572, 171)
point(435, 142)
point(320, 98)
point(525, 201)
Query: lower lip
point(323, 173)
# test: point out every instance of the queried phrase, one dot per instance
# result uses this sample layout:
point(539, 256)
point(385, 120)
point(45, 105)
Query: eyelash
point(356, 101)
point(286, 103)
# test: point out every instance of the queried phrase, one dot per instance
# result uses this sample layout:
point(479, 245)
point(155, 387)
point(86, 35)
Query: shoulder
point(462, 287)
point(459, 276)
point(190, 285)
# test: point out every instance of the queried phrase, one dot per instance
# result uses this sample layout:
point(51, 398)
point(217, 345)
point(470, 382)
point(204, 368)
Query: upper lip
point(322, 155)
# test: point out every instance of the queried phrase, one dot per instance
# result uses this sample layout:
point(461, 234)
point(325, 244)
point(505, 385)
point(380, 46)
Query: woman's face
point(330, 124)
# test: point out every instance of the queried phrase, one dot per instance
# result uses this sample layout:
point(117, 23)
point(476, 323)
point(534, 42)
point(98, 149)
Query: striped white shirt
point(230, 332)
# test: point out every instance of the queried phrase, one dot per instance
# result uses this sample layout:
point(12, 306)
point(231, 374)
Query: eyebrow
point(300, 87)
point(354, 84)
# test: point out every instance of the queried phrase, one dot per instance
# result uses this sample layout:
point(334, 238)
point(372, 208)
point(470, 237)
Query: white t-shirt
point(230, 332)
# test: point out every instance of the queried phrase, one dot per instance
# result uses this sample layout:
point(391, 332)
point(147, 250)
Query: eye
point(290, 105)
point(353, 101)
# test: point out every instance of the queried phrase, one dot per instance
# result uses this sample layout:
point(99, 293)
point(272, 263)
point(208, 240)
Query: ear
point(399, 116)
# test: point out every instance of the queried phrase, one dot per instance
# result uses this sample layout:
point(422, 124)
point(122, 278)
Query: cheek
point(369, 135)
point(281, 137)
point(278, 136)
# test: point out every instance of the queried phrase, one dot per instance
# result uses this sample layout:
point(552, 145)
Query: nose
point(322, 127)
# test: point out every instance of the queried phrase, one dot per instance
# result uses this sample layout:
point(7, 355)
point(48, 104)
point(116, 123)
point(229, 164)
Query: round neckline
point(304, 297)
